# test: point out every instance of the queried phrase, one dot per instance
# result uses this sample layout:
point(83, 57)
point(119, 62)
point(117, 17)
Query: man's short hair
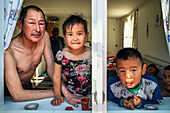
point(24, 11)
point(74, 19)
point(55, 28)
point(126, 53)
point(167, 67)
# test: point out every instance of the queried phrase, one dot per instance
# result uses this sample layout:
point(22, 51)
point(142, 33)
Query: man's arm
point(49, 59)
point(14, 85)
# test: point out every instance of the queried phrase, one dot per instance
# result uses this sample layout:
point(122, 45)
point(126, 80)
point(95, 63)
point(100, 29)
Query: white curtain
point(11, 13)
point(166, 20)
point(128, 31)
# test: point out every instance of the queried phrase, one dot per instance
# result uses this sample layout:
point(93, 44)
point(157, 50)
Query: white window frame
point(1, 53)
point(99, 54)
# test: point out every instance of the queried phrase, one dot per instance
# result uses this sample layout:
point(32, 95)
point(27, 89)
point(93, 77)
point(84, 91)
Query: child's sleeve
point(157, 97)
point(59, 57)
point(110, 95)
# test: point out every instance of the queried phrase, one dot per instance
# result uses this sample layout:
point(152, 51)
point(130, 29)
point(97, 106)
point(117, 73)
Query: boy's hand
point(57, 100)
point(136, 100)
point(128, 104)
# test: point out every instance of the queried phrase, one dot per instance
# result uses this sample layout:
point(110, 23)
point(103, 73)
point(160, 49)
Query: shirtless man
point(25, 53)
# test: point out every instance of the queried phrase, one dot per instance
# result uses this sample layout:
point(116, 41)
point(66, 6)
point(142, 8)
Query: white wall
point(155, 44)
point(113, 36)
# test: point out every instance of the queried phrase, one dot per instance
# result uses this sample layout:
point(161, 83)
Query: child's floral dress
point(77, 74)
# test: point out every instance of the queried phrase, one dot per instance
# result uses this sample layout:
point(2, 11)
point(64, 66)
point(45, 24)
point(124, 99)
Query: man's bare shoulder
point(45, 40)
point(45, 37)
point(9, 56)
point(8, 52)
point(16, 43)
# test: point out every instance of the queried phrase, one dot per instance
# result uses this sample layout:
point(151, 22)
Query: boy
point(132, 87)
point(166, 81)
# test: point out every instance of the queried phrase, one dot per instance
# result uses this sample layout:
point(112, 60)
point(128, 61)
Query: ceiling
point(62, 8)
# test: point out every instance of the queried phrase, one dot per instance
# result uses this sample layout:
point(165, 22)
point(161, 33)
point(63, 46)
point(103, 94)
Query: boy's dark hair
point(24, 11)
point(126, 53)
point(74, 19)
point(167, 67)
point(153, 65)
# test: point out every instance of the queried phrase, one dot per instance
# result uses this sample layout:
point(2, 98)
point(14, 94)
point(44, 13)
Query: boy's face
point(166, 79)
point(75, 36)
point(130, 72)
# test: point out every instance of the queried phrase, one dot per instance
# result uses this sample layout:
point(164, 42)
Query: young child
point(152, 70)
point(132, 87)
point(74, 61)
point(166, 81)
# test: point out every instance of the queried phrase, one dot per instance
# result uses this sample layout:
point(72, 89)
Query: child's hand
point(128, 104)
point(136, 101)
point(57, 100)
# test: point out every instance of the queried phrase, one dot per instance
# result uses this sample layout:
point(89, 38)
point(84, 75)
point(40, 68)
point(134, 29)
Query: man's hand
point(136, 100)
point(128, 104)
point(74, 100)
point(57, 100)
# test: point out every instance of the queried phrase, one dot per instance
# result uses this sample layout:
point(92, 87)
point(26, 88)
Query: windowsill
point(164, 107)
point(44, 106)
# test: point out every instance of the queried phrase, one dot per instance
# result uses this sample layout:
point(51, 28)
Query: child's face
point(130, 72)
point(166, 79)
point(75, 36)
point(151, 71)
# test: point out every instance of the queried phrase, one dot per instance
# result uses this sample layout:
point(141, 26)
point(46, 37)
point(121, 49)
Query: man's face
point(55, 32)
point(34, 25)
point(166, 79)
point(130, 72)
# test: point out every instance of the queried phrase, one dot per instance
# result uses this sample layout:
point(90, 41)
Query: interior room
point(117, 11)
point(148, 36)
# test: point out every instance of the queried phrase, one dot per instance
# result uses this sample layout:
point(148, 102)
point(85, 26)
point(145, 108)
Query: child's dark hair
point(167, 67)
point(126, 53)
point(74, 19)
point(24, 11)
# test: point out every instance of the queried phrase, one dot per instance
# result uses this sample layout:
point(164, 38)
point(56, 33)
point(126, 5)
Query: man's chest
point(27, 62)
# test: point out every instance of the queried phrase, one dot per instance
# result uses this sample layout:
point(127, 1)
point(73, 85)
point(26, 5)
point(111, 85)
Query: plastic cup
point(85, 103)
